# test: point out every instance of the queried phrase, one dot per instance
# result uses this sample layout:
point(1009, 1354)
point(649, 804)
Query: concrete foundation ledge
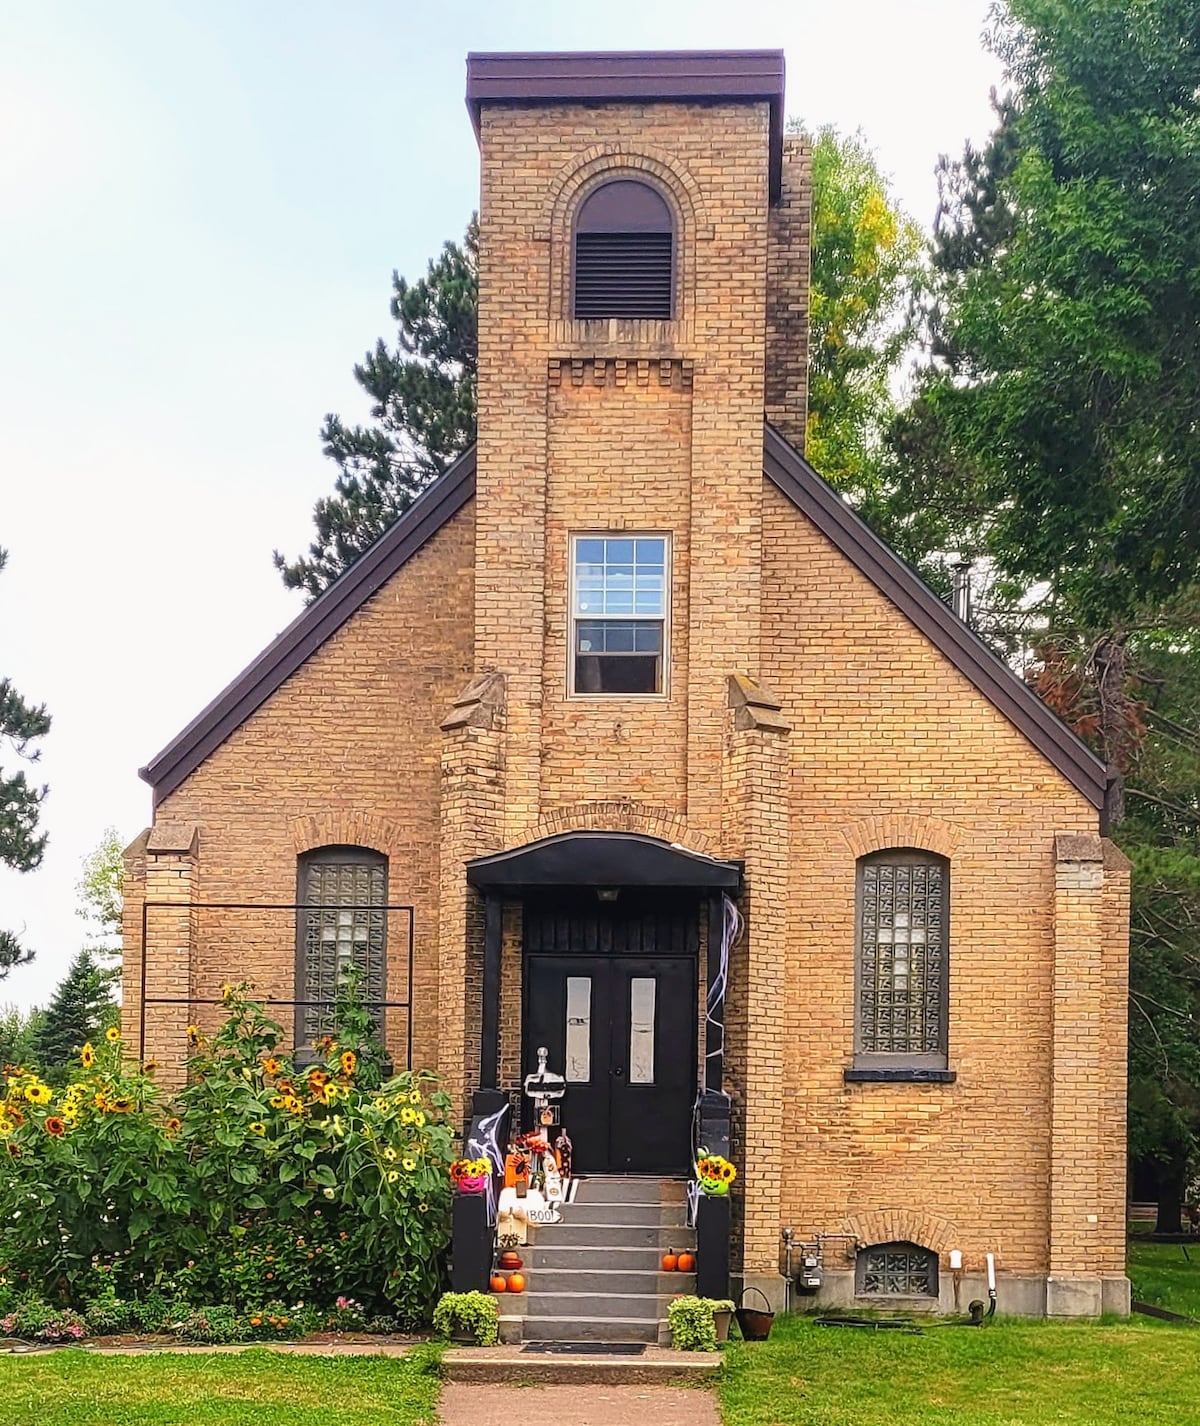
point(1116, 1294)
point(510, 1364)
point(1074, 1296)
point(770, 1284)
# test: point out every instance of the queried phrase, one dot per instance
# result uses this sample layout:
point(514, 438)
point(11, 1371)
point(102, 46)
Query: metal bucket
point(754, 1326)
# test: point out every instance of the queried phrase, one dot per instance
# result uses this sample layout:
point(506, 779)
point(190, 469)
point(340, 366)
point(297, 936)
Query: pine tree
point(80, 1010)
point(423, 409)
point(21, 845)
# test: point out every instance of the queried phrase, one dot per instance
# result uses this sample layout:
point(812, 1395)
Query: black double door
point(611, 992)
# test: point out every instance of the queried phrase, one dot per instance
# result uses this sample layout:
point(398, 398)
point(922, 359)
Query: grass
point(1008, 1373)
point(245, 1389)
point(1161, 1273)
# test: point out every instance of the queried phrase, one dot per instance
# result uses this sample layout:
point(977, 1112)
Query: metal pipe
point(961, 601)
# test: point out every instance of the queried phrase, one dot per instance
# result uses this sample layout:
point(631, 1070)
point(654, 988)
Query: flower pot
point(721, 1324)
point(754, 1326)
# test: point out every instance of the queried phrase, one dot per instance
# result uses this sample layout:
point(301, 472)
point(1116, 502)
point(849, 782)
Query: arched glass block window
point(896, 1270)
point(902, 960)
point(341, 922)
point(624, 253)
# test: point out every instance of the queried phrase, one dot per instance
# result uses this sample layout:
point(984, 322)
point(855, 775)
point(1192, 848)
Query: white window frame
point(665, 619)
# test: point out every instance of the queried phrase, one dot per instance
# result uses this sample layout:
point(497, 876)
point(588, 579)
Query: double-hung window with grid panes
point(620, 607)
point(903, 960)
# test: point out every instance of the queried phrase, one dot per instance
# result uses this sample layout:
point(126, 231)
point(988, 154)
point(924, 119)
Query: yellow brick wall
point(348, 749)
point(891, 745)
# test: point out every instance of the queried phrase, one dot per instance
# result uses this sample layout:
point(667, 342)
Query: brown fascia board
point(598, 77)
point(790, 472)
point(309, 630)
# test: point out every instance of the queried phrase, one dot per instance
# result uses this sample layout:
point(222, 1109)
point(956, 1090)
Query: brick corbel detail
point(622, 816)
point(880, 834)
point(902, 1225)
point(171, 887)
point(755, 782)
point(472, 824)
point(346, 829)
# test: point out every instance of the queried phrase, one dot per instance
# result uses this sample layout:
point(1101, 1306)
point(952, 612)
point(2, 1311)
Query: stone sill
point(899, 1076)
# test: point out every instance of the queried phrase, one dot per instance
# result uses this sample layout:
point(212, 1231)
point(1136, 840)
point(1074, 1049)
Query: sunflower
point(408, 1116)
point(321, 1094)
point(16, 1114)
point(349, 1062)
point(37, 1093)
point(381, 1105)
point(414, 1097)
point(227, 992)
point(420, 1120)
point(408, 1164)
point(194, 1035)
point(101, 1101)
point(317, 1078)
point(392, 1176)
point(285, 1086)
point(258, 1127)
point(173, 1125)
point(324, 1044)
point(292, 1104)
point(112, 1034)
point(87, 1056)
point(272, 1066)
point(150, 1066)
point(390, 1154)
point(278, 1101)
point(54, 1126)
point(121, 1105)
point(6, 1127)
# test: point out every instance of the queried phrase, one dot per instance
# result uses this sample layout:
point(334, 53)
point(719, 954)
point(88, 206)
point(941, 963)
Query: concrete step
point(589, 1259)
point(636, 1281)
point(631, 1190)
point(571, 1305)
point(669, 1214)
point(510, 1364)
point(578, 1233)
point(590, 1329)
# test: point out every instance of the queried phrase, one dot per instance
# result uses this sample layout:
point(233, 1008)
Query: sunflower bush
point(260, 1182)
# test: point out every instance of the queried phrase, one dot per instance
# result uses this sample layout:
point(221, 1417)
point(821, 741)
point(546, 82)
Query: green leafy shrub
point(213, 1325)
point(473, 1313)
point(37, 1321)
point(261, 1182)
point(691, 1322)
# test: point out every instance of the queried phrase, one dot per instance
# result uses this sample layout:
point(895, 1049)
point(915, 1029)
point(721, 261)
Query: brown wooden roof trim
point(598, 76)
point(309, 630)
point(792, 474)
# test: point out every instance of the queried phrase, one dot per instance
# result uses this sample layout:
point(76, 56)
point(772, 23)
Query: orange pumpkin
point(516, 1282)
point(670, 1261)
point(687, 1262)
point(499, 1283)
point(510, 1262)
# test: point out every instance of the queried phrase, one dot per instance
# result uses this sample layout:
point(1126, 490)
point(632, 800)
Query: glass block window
point(896, 1270)
point(620, 597)
point(343, 891)
point(902, 954)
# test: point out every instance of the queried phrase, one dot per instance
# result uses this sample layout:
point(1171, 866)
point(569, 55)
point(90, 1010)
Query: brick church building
point(631, 741)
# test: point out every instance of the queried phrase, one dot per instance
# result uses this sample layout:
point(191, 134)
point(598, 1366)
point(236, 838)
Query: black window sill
point(899, 1076)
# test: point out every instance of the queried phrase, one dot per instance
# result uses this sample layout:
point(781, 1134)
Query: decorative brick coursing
point(896, 830)
point(903, 1224)
point(621, 816)
point(347, 828)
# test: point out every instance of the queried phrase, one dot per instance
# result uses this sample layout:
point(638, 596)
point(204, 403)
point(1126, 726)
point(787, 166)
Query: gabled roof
point(637, 76)
point(786, 469)
point(309, 630)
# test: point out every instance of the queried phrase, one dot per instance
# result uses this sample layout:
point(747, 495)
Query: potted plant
point(470, 1175)
point(468, 1317)
point(693, 1323)
point(715, 1174)
point(722, 1311)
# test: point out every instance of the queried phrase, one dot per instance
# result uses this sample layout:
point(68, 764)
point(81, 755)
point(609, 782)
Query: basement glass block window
point(902, 959)
point(896, 1270)
point(624, 254)
point(619, 601)
point(343, 892)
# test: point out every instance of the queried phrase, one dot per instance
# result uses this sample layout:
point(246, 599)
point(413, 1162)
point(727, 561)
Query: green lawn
point(1005, 1374)
point(1161, 1273)
point(256, 1388)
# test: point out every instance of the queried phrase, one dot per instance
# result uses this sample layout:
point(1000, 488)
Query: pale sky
point(200, 209)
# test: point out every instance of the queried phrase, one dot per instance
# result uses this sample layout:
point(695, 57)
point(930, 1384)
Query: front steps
point(596, 1276)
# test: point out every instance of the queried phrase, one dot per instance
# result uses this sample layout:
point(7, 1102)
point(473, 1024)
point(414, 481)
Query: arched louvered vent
point(624, 254)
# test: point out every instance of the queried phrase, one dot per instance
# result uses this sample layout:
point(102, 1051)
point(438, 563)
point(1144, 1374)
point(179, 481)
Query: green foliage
point(258, 1182)
point(865, 265)
point(18, 1032)
point(691, 1322)
point(81, 1009)
point(1166, 1274)
point(422, 395)
point(37, 1321)
point(214, 1326)
point(22, 725)
point(101, 897)
point(474, 1313)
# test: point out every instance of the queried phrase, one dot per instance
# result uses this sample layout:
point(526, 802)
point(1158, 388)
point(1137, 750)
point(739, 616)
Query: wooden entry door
point(611, 992)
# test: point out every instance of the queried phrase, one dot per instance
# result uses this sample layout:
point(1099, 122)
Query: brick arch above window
point(879, 834)
point(346, 829)
point(605, 164)
point(902, 1225)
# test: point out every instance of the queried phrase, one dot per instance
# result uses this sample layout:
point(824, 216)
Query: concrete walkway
point(468, 1404)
